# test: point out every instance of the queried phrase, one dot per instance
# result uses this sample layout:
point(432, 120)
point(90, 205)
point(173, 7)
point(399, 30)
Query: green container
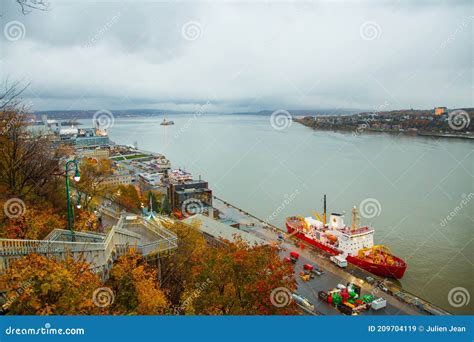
point(367, 299)
point(336, 299)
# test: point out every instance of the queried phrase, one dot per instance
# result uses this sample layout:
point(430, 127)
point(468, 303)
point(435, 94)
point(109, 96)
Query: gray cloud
point(247, 56)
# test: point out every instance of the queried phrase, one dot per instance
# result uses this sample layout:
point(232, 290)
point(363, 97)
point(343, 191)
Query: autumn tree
point(32, 222)
point(128, 197)
point(94, 174)
point(175, 267)
point(136, 287)
point(38, 285)
point(85, 221)
point(27, 161)
point(241, 279)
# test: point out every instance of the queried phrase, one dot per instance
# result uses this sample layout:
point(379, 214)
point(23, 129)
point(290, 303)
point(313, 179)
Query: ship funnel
point(337, 221)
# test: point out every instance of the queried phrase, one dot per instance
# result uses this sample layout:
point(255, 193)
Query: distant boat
point(166, 122)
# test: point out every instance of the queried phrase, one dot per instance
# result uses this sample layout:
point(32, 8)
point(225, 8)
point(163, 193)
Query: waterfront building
point(150, 181)
point(118, 179)
point(179, 176)
point(441, 110)
point(82, 137)
point(195, 189)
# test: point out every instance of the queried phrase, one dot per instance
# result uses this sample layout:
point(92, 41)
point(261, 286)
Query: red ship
point(355, 244)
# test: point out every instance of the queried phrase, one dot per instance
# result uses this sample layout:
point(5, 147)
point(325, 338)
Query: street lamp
point(77, 177)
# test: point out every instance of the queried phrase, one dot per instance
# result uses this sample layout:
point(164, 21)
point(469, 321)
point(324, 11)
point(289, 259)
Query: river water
point(416, 192)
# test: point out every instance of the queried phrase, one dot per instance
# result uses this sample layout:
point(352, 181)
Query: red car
point(294, 257)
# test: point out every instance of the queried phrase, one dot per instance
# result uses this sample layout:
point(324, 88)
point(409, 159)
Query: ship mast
point(324, 214)
point(355, 218)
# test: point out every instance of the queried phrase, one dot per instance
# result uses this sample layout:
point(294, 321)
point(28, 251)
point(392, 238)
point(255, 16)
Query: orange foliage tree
point(38, 285)
point(239, 280)
point(129, 197)
point(136, 288)
point(33, 222)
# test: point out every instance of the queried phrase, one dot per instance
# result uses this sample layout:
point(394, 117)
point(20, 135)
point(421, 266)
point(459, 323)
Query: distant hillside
point(304, 112)
point(86, 114)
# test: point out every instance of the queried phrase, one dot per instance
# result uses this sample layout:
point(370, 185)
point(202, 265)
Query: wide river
point(416, 192)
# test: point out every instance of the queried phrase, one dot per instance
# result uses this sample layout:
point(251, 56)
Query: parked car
point(294, 257)
point(382, 287)
point(369, 279)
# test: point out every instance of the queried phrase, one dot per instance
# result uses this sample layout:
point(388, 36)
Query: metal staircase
point(100, 250)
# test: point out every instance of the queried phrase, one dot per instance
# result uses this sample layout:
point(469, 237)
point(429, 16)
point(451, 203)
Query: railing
point(98, 254)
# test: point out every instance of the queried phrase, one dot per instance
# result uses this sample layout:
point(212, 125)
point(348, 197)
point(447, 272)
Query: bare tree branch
point(10, 96)
point(29, 5)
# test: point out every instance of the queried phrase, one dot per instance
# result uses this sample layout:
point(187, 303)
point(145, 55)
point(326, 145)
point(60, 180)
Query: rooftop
point(221, 230)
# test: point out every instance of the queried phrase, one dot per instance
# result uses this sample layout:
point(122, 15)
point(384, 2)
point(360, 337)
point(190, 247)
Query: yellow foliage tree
point(136, 288)
point(37, 285)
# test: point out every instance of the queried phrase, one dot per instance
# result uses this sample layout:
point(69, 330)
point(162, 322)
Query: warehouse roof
point(221, 230)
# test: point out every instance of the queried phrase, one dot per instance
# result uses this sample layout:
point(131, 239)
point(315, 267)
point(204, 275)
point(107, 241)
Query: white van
point(339, 260)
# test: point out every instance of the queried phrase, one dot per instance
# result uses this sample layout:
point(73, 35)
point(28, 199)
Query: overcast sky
point(241, 56)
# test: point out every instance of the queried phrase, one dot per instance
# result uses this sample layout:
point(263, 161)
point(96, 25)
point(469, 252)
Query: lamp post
point(77, 177)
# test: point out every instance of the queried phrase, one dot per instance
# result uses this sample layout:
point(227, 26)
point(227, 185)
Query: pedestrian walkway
point(100, 250)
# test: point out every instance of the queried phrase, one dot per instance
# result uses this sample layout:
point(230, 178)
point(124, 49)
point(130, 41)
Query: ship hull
point(386, 271)
point(311, 241)
point(381, 270)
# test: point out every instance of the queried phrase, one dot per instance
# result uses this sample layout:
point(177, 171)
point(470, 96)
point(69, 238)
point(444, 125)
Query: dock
point(399, 301)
